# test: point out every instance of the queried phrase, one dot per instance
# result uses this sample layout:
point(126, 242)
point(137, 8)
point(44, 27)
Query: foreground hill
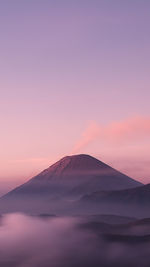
point(133, 201)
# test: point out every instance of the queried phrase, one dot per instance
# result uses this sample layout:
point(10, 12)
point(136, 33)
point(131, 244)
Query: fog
point(29, 241)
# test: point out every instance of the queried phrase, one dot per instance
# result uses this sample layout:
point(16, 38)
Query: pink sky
point(74, 79)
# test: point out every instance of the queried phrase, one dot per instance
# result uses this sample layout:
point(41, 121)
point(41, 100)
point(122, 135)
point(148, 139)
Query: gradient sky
point(74, 79)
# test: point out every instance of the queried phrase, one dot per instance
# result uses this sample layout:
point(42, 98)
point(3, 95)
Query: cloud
point(91, 133)
point(28, 241)
point(118, 132)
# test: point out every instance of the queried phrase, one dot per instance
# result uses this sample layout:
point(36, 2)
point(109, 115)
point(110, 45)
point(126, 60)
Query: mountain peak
point(79, 156)
point(77, 163)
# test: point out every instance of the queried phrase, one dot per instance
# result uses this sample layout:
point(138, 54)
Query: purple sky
point(67, 67)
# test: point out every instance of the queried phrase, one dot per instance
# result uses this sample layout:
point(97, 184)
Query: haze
point(74, 79)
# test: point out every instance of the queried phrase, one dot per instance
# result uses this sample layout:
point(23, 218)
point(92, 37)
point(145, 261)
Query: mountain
point(77, 175)
point(66, 180)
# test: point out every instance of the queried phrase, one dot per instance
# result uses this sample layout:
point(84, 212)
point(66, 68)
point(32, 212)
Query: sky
point(74, 79)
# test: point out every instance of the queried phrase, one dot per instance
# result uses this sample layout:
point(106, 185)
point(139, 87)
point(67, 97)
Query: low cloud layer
point(64, 242)
point(31, 242)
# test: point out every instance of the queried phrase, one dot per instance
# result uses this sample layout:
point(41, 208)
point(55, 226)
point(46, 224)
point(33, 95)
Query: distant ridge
point(137, 196)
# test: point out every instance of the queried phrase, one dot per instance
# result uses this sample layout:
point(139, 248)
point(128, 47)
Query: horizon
point(74, 79)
